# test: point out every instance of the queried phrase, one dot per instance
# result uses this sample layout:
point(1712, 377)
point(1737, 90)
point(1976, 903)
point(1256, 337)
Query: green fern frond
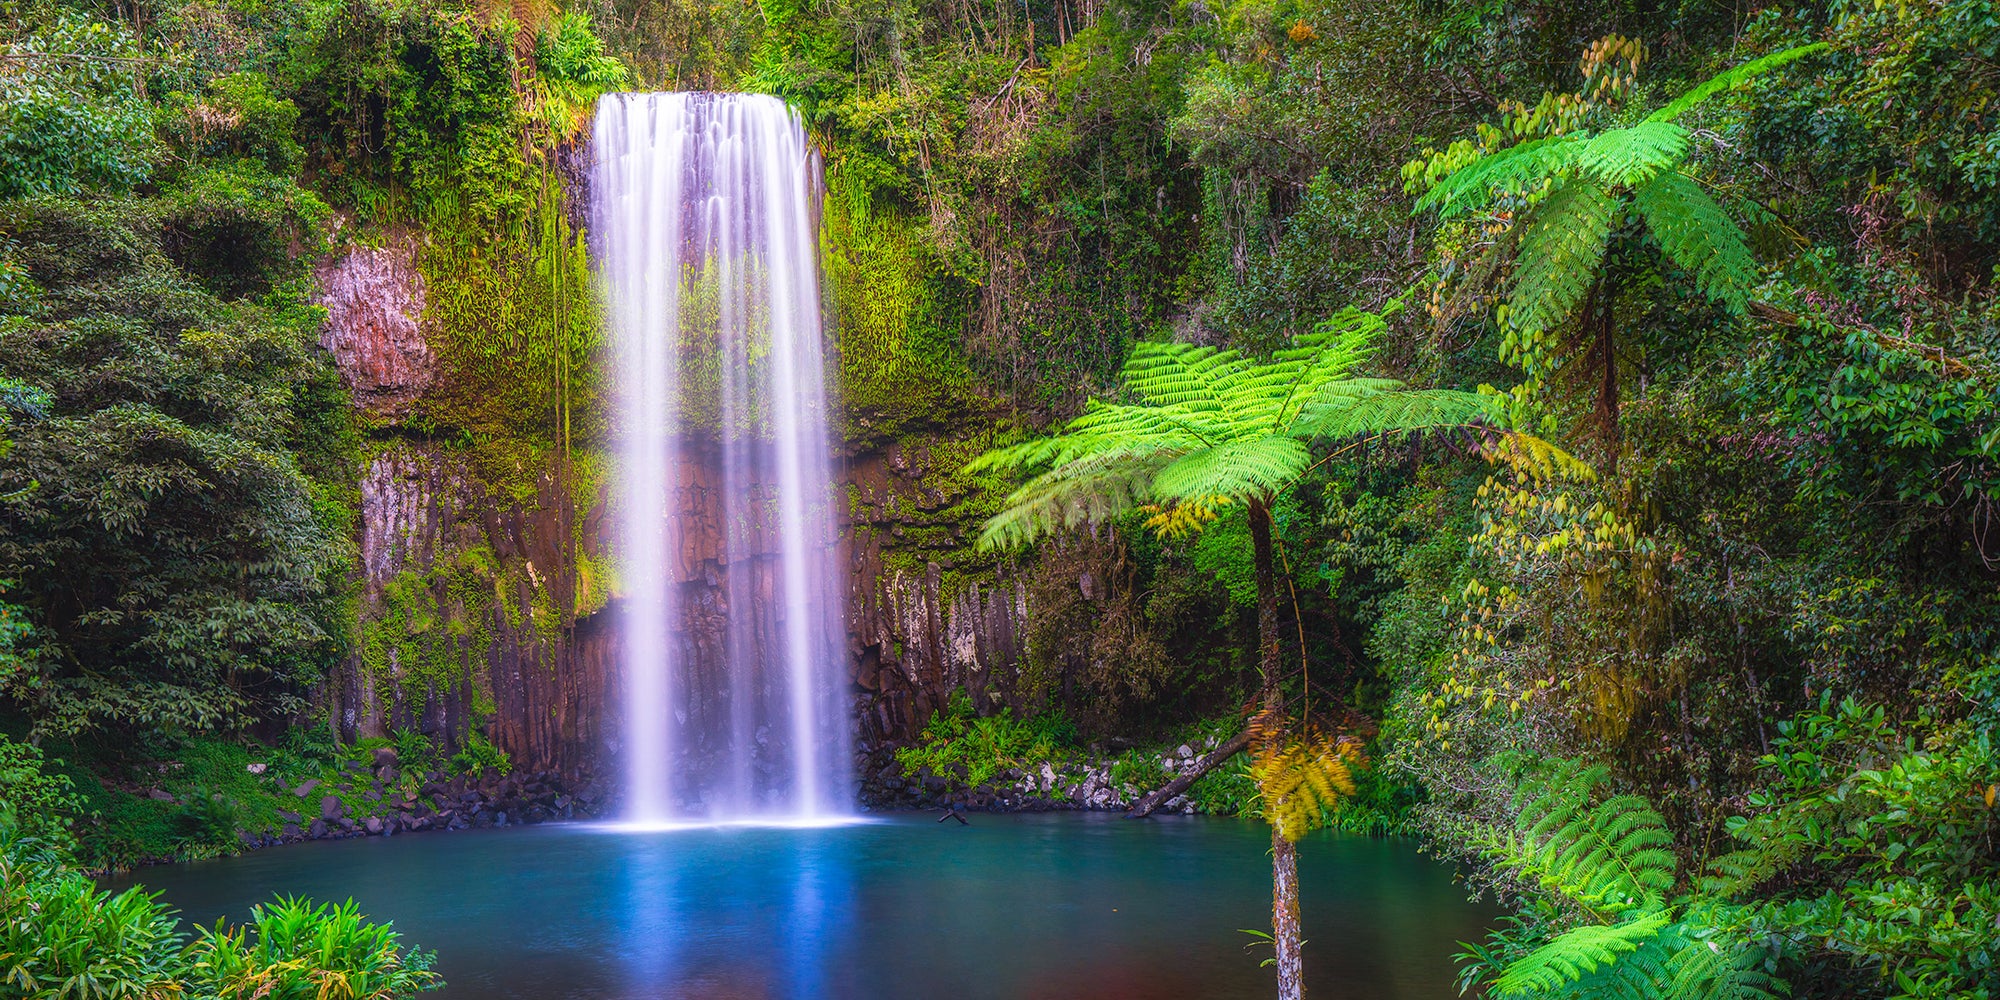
point(1717, 966)
point(1622, 157)
point(1508, 171)
point(1345, 413)
point(1077, 493)
point(1730, 79)
point(1561, 246)
point(1611, 857)
point(1576, 955)
point(1695, 233)
point(1243, 468)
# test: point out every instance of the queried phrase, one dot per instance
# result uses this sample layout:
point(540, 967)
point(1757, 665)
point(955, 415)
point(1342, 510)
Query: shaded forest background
point(1764, 599)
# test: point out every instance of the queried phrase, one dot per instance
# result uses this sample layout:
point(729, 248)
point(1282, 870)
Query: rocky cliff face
point(469, 612)
point(492, 607)
point(926, 615)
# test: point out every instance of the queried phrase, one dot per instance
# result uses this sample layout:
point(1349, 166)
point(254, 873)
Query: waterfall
point(706, 228)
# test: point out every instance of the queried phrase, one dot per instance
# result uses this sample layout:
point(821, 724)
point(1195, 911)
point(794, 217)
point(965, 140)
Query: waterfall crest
point(706, 223)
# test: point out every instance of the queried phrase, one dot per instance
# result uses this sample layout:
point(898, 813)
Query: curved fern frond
point(1730, 79)
point(1611, 857)
point(1508, 171)
point(1301, 781)
point(1695, 233)
point(1081, 492)
point(1621, 157)
point(1561, 246)
point(1578, 954)
point(1239, 470)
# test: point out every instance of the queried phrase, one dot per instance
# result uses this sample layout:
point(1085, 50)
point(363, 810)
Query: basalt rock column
point(706, 215)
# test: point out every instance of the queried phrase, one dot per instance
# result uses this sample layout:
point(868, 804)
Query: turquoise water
point(1054, 905)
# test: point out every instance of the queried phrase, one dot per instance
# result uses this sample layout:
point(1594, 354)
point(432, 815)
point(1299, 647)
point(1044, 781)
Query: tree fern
point(1211, 426)
point(1563, 197)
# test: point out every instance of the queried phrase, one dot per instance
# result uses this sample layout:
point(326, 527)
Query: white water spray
point(706, 223)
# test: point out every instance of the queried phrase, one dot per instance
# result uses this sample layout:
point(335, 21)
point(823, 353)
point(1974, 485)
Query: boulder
point(331, 808)
point(306, 787)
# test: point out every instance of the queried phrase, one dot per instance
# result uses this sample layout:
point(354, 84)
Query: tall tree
point(1210, 428)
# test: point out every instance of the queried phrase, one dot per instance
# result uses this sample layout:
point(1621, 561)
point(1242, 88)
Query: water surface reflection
point(1040, 906)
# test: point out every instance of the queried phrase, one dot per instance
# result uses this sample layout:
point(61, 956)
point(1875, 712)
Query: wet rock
point(373, 825)
point(317, 829)
point(374, 299)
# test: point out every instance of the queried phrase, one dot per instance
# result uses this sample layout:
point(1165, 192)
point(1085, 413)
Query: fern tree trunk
point(1285, 932)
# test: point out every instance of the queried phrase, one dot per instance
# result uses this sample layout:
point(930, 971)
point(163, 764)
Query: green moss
point(897, 314)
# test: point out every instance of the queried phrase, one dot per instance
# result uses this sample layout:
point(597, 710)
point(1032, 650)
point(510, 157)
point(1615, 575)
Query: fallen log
point(1229, 748)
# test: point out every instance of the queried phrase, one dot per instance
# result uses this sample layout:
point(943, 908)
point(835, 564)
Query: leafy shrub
point(415, 751)
point(62, 938)
point(235, 118)
point(479, 756)
point(961, 745)
point(39, 805)
point(293, 949)
point(71, 117)
point(1140, 769)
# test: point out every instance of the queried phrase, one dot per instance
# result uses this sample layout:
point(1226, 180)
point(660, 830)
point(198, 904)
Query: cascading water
point(706, 228)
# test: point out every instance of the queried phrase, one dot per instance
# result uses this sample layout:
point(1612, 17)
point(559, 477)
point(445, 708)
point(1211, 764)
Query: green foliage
point(1609, 862)
point(1211, 427)
point(180, 568)
point(1610, 857)
point(970, 749)
point(294, 949)
point(34, 803)
point(235, 117)
point(61, 937)
point(478, 757)
point(1909, 421)
point(73, 116)
point(1896, 832)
